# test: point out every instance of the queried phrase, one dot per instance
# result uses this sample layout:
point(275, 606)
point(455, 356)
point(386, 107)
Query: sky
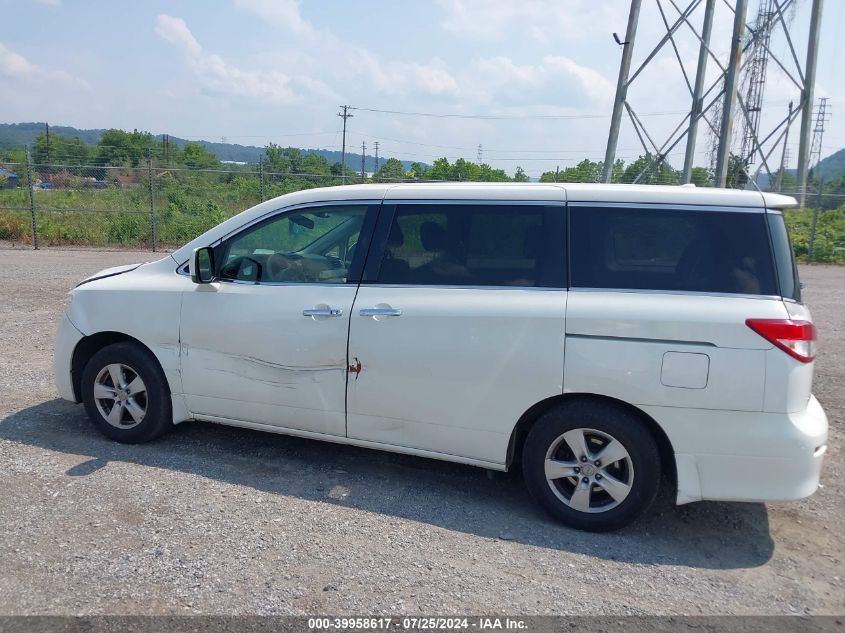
point(260, 71)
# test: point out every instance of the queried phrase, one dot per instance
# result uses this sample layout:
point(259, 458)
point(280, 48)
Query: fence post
point(152, 200)
point(31, 198)
point(811, 246)
point(261, 178)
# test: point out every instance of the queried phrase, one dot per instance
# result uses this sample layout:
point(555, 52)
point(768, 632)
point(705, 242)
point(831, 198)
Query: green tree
point(60, 150)
point(391, 170)
point(197, 156)
point(315, 164)
point(520, 175)
point(275, 159)
point(737, 177)
point(646, 171)
point(416, 171)
point(701, 177)
point(119, 148)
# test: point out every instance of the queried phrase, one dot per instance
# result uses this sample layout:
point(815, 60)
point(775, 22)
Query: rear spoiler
point(778, 201)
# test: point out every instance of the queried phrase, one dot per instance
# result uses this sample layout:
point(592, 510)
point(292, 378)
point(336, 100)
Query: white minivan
point(604, 338)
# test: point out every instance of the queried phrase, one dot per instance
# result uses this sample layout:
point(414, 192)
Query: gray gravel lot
point(219, 520)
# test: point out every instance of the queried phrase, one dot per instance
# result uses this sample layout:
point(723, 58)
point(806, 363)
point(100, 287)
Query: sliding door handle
point(377, 312)
point(322, 312)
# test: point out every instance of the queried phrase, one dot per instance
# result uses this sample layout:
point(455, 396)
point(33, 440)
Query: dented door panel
point(249, 354)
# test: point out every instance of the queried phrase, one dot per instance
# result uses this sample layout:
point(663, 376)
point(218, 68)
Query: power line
point(506, 117)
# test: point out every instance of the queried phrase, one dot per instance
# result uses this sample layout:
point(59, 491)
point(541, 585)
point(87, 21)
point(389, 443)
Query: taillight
point(796, 338)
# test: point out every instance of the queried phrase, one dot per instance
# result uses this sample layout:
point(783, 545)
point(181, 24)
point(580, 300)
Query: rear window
point(671, 249)
point(790, 287)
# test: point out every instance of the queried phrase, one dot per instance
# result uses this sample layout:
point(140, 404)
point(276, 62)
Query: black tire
point(156, 419)
point(641, 468)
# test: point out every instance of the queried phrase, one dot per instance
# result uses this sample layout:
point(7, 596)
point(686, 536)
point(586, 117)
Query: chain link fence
point(156, 203)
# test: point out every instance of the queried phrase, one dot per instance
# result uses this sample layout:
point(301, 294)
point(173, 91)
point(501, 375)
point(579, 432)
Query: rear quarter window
point(672, 250)
point(790, 286)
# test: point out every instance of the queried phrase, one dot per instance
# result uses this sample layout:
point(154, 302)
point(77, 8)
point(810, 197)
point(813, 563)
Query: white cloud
point(555, 81)
point(217, 75)
point(282, 13)
point(400, 78)
point(15, 66)
point(541, 20)
point(175, 31)
point(592, 82)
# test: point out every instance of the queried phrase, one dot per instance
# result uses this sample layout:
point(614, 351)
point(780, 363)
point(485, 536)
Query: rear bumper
point(66, 339)
point(745, 456)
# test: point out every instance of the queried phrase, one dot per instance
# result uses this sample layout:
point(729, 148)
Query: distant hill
point(19, 134)
point(832, 167)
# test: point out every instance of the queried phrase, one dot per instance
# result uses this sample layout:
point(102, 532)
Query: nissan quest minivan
point(603, 338)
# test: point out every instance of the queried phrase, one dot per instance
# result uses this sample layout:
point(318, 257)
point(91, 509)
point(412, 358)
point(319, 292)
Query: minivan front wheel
point(591, 465)
point(126, 394)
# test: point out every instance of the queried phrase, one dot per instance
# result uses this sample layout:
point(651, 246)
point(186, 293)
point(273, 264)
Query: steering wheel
point(278, 266)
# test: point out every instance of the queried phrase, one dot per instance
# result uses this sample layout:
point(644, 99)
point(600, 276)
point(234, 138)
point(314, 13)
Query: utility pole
point(153, 231)
point(344, 115)
point(621, 88)
point(363, 160)
point(697, 99)
point(784, 155)
point(375, 144)
point(822, 117)
point(261, 178)
point(47, 130)
point(731, 81)
point(479, 154)
point(806, 104)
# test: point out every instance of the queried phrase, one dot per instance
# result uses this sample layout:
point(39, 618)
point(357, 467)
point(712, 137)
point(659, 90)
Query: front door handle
point(377, 312)
point(322, 312)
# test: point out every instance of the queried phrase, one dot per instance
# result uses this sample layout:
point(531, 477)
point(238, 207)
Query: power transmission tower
point(344, 115)
point(363, 159)
point(479, 154)
point(375, 145)
point(731, 80)
point(754, 79)
point(697, 99)
point(822, 117)
point(715, 100)
point(822, 113)
point(806, 103)
point(784, 156)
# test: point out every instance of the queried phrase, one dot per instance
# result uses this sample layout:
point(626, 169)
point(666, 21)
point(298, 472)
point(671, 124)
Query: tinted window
point(787, 273)
point(476, 245)
point(313, 245)
point(665, 249)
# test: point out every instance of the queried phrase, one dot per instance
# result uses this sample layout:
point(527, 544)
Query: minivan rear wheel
point(592, 465)
point(126, 394)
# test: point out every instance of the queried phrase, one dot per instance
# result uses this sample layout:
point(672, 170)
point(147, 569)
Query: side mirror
point(202, 265)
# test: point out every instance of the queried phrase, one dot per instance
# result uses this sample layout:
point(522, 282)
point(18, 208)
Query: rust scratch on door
point(355, 368)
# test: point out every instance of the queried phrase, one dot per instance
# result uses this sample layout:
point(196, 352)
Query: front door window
point(313, 245)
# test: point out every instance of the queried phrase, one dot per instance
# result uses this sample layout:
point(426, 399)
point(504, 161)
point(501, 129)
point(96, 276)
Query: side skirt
point(337, 439)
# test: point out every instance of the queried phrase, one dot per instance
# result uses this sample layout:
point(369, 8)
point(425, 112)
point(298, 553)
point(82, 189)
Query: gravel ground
point(219, 520)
